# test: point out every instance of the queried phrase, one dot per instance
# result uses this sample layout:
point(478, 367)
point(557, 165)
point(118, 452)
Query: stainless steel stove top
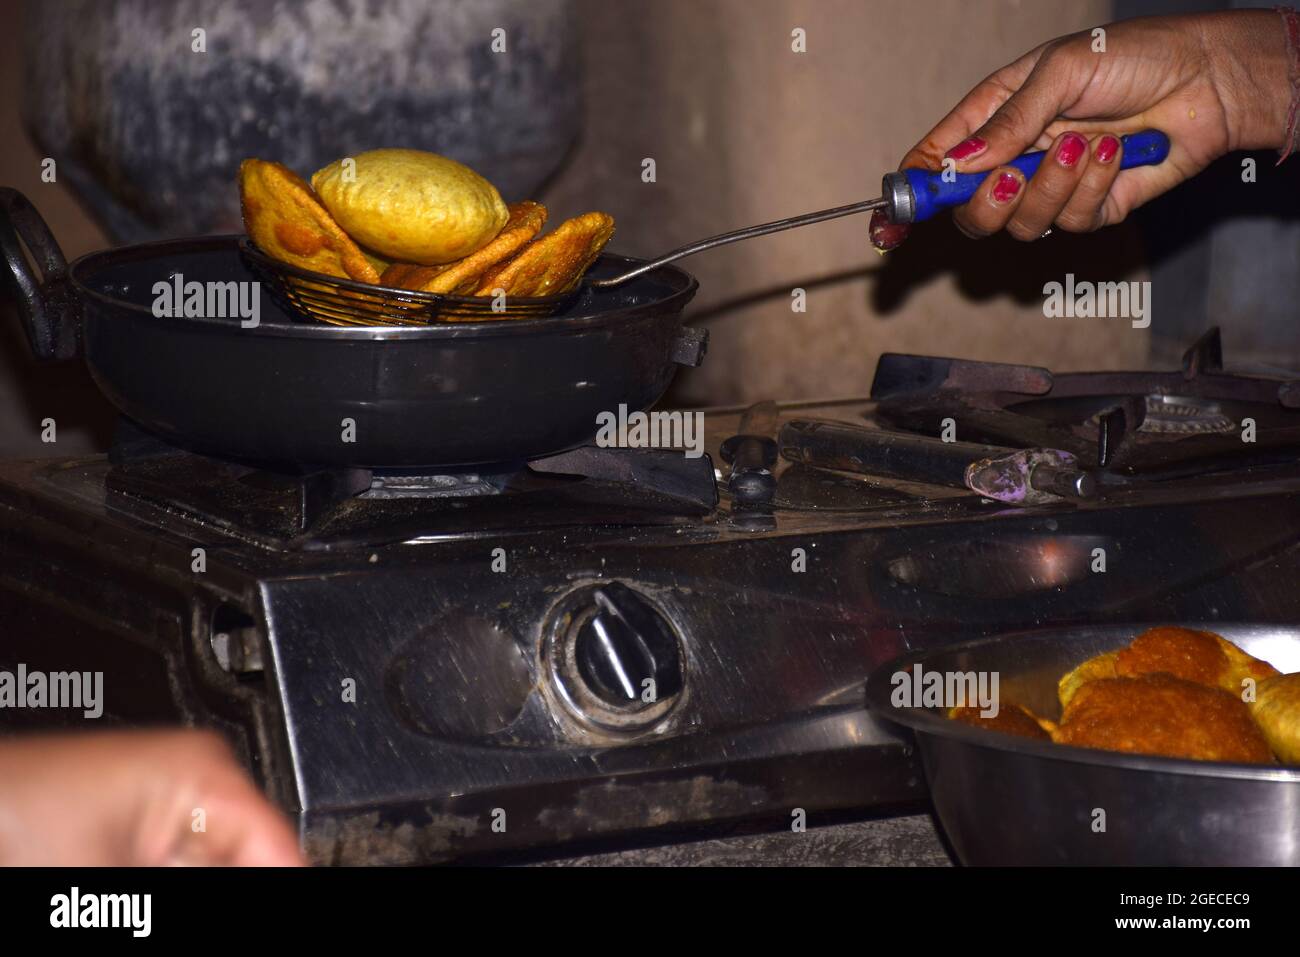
point(426, 677)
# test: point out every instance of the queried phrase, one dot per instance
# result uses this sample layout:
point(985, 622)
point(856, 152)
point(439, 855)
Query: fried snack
point(1276, 710)
point(1102, 666)
point(396, 274)
point(379, 262)
point(463, 277)
point(1010, 719)
point(412, 206)
point(287, 222)
point(1160, 714)
point(553, 264)
point(1199, 656)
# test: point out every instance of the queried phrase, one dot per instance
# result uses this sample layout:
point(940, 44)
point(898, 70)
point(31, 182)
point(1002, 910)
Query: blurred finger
point(242, 829)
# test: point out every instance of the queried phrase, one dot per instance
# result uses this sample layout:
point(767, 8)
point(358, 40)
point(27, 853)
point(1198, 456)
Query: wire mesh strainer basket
point(318, 297)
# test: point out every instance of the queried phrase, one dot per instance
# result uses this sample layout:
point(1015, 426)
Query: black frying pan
point(431, 396)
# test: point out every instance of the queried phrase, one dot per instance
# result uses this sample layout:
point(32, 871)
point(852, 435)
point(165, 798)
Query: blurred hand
point(129, 798)
point(1214, 83)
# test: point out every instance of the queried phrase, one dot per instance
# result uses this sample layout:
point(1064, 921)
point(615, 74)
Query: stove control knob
point(615, 659)
point(625, 651)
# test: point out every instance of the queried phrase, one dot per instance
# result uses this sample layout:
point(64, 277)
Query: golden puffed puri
point(553, 264)
point(287, 222)
point(1161, 714)
point(1201, 657)
point(411, 206)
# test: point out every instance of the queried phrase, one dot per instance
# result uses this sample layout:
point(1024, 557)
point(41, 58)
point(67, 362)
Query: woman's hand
point(134, 798)
point(1214, 83)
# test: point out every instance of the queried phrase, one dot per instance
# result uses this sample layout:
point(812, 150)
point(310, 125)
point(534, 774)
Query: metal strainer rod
point(748, 232)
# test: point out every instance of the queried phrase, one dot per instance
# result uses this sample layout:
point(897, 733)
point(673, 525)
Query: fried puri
point(412, 206)
point(463, 277)
point(552, 264)
point(1010, 719)
point(1160, 714)
point(285, 219)
point(1199, 656)
point(1276, 710)
point(1102, 666)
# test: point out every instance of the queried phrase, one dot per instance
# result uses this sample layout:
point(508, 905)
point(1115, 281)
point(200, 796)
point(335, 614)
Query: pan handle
point(689, 346)
point(47, 305)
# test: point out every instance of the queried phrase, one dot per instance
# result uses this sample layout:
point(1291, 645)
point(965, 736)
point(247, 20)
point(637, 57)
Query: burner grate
point(384, 485)
point(1137, 422)
point(339, 508)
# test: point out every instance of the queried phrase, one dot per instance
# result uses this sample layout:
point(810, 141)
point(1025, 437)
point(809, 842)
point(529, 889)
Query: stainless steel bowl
point(1008, 800)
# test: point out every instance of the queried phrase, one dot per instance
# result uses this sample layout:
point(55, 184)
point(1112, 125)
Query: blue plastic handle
point(931, 193)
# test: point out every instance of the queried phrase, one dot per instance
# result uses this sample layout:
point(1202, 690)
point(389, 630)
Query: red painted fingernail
point(967, 148)
point(1005, 189)
point(885, 234)
point(1071, 148)
point(1106, 149)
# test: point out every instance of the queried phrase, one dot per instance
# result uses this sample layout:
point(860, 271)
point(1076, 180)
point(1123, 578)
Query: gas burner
point(1154, 423)
point(1179, 415)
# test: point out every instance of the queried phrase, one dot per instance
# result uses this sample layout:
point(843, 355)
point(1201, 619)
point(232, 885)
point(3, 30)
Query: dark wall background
point(1225, 252)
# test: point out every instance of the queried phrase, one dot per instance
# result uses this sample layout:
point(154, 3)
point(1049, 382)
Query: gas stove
point(423, 667)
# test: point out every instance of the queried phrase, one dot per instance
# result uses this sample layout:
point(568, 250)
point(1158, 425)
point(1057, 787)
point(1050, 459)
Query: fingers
point(1051, 187)
point(209, 812)
point(1086, 208)
point(1016, 125)
point(993, 204)
point(1027, 211)
point(972, 113)
point(1002, 117)
point(134, 797)
point(242, 828)
point(1069, 190)
point(1022, 118)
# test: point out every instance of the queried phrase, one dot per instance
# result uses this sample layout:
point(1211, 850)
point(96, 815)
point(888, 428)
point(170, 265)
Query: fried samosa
point(286, 220)
point(554, 263)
